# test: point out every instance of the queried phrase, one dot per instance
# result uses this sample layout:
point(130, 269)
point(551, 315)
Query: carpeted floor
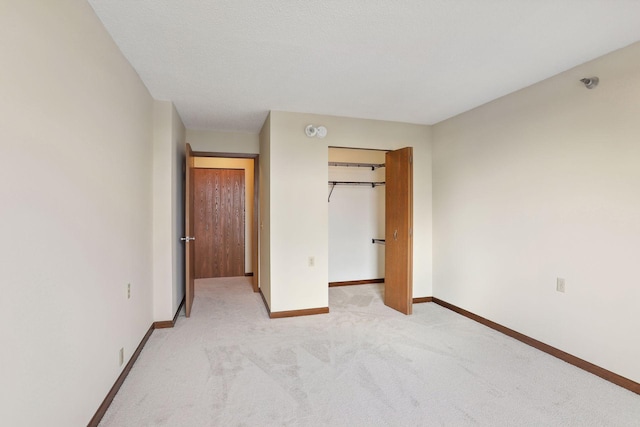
point(363, 364)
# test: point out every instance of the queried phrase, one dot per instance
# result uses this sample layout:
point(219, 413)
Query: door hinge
point(410, 159)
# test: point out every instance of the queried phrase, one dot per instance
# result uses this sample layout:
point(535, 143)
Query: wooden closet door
point(219, 224)
point(398, 266)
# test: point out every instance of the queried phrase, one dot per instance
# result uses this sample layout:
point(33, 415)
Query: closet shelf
point(373, 166)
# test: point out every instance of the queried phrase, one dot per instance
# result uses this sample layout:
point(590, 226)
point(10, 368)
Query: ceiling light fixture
point(315, 131)
point(590, 82)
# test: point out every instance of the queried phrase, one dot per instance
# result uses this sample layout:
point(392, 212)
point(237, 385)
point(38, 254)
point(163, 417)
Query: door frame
point(187, 205)
point(256, 211)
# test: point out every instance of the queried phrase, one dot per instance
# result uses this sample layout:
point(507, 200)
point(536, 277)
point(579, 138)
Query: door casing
point(189, 262)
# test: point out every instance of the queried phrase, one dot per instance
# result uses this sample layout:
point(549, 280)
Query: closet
point(356, 205)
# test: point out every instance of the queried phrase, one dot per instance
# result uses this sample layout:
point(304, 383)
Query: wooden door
point(398, 263)
point(189, 261)
point(219, 222)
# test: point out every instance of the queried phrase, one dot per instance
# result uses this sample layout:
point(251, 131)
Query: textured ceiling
point(225, 64)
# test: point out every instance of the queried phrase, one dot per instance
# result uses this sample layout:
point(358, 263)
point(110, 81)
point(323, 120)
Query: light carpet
point(362, 364)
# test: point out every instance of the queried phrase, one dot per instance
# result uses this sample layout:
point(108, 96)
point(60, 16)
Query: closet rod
point(334, 183)
point(373, 166)
point(370, 183)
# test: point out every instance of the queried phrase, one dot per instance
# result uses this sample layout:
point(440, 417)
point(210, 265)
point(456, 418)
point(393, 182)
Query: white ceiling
point(226, 63)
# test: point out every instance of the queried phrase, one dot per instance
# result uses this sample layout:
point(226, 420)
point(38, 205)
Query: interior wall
point(76, 225)
point(264, 171)
point(247, 166)
point(356, 215)
point(178, 139)
point(168, 212)
point(298, 205)
point(298, 182)
point(539, 185)
point(212, 141)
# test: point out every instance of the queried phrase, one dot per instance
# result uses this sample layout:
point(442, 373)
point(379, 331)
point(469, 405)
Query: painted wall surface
point(162, 256)
point(299, 220)
point(264, 170)
point(168, 211)
point(542, 184)
point(212, 141)
point(356, 215)
point(178, 138)
point(76, 216)
point(298, 201)
point(247, 166)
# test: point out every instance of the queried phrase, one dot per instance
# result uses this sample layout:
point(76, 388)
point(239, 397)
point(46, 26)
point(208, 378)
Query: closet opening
point(356, 203)
point(370, 211)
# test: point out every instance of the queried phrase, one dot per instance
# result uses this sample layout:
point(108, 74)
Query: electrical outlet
point(312, 261)
point(121, 356)
point(560, 286)
point(128, 290)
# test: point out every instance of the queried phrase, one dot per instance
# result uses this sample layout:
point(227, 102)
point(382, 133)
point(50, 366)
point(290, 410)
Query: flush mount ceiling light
point(315, 131)
point(590, 82)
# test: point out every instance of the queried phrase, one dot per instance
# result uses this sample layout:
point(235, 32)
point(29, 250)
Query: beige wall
point(298, 204)
point(265, 211)
point(168, 213)
point(247, 166)
point(178, 147)
point(542, 184)
point(212, 141)
point(76, 218)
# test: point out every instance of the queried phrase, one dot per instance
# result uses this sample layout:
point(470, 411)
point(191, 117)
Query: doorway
point(205, 160)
